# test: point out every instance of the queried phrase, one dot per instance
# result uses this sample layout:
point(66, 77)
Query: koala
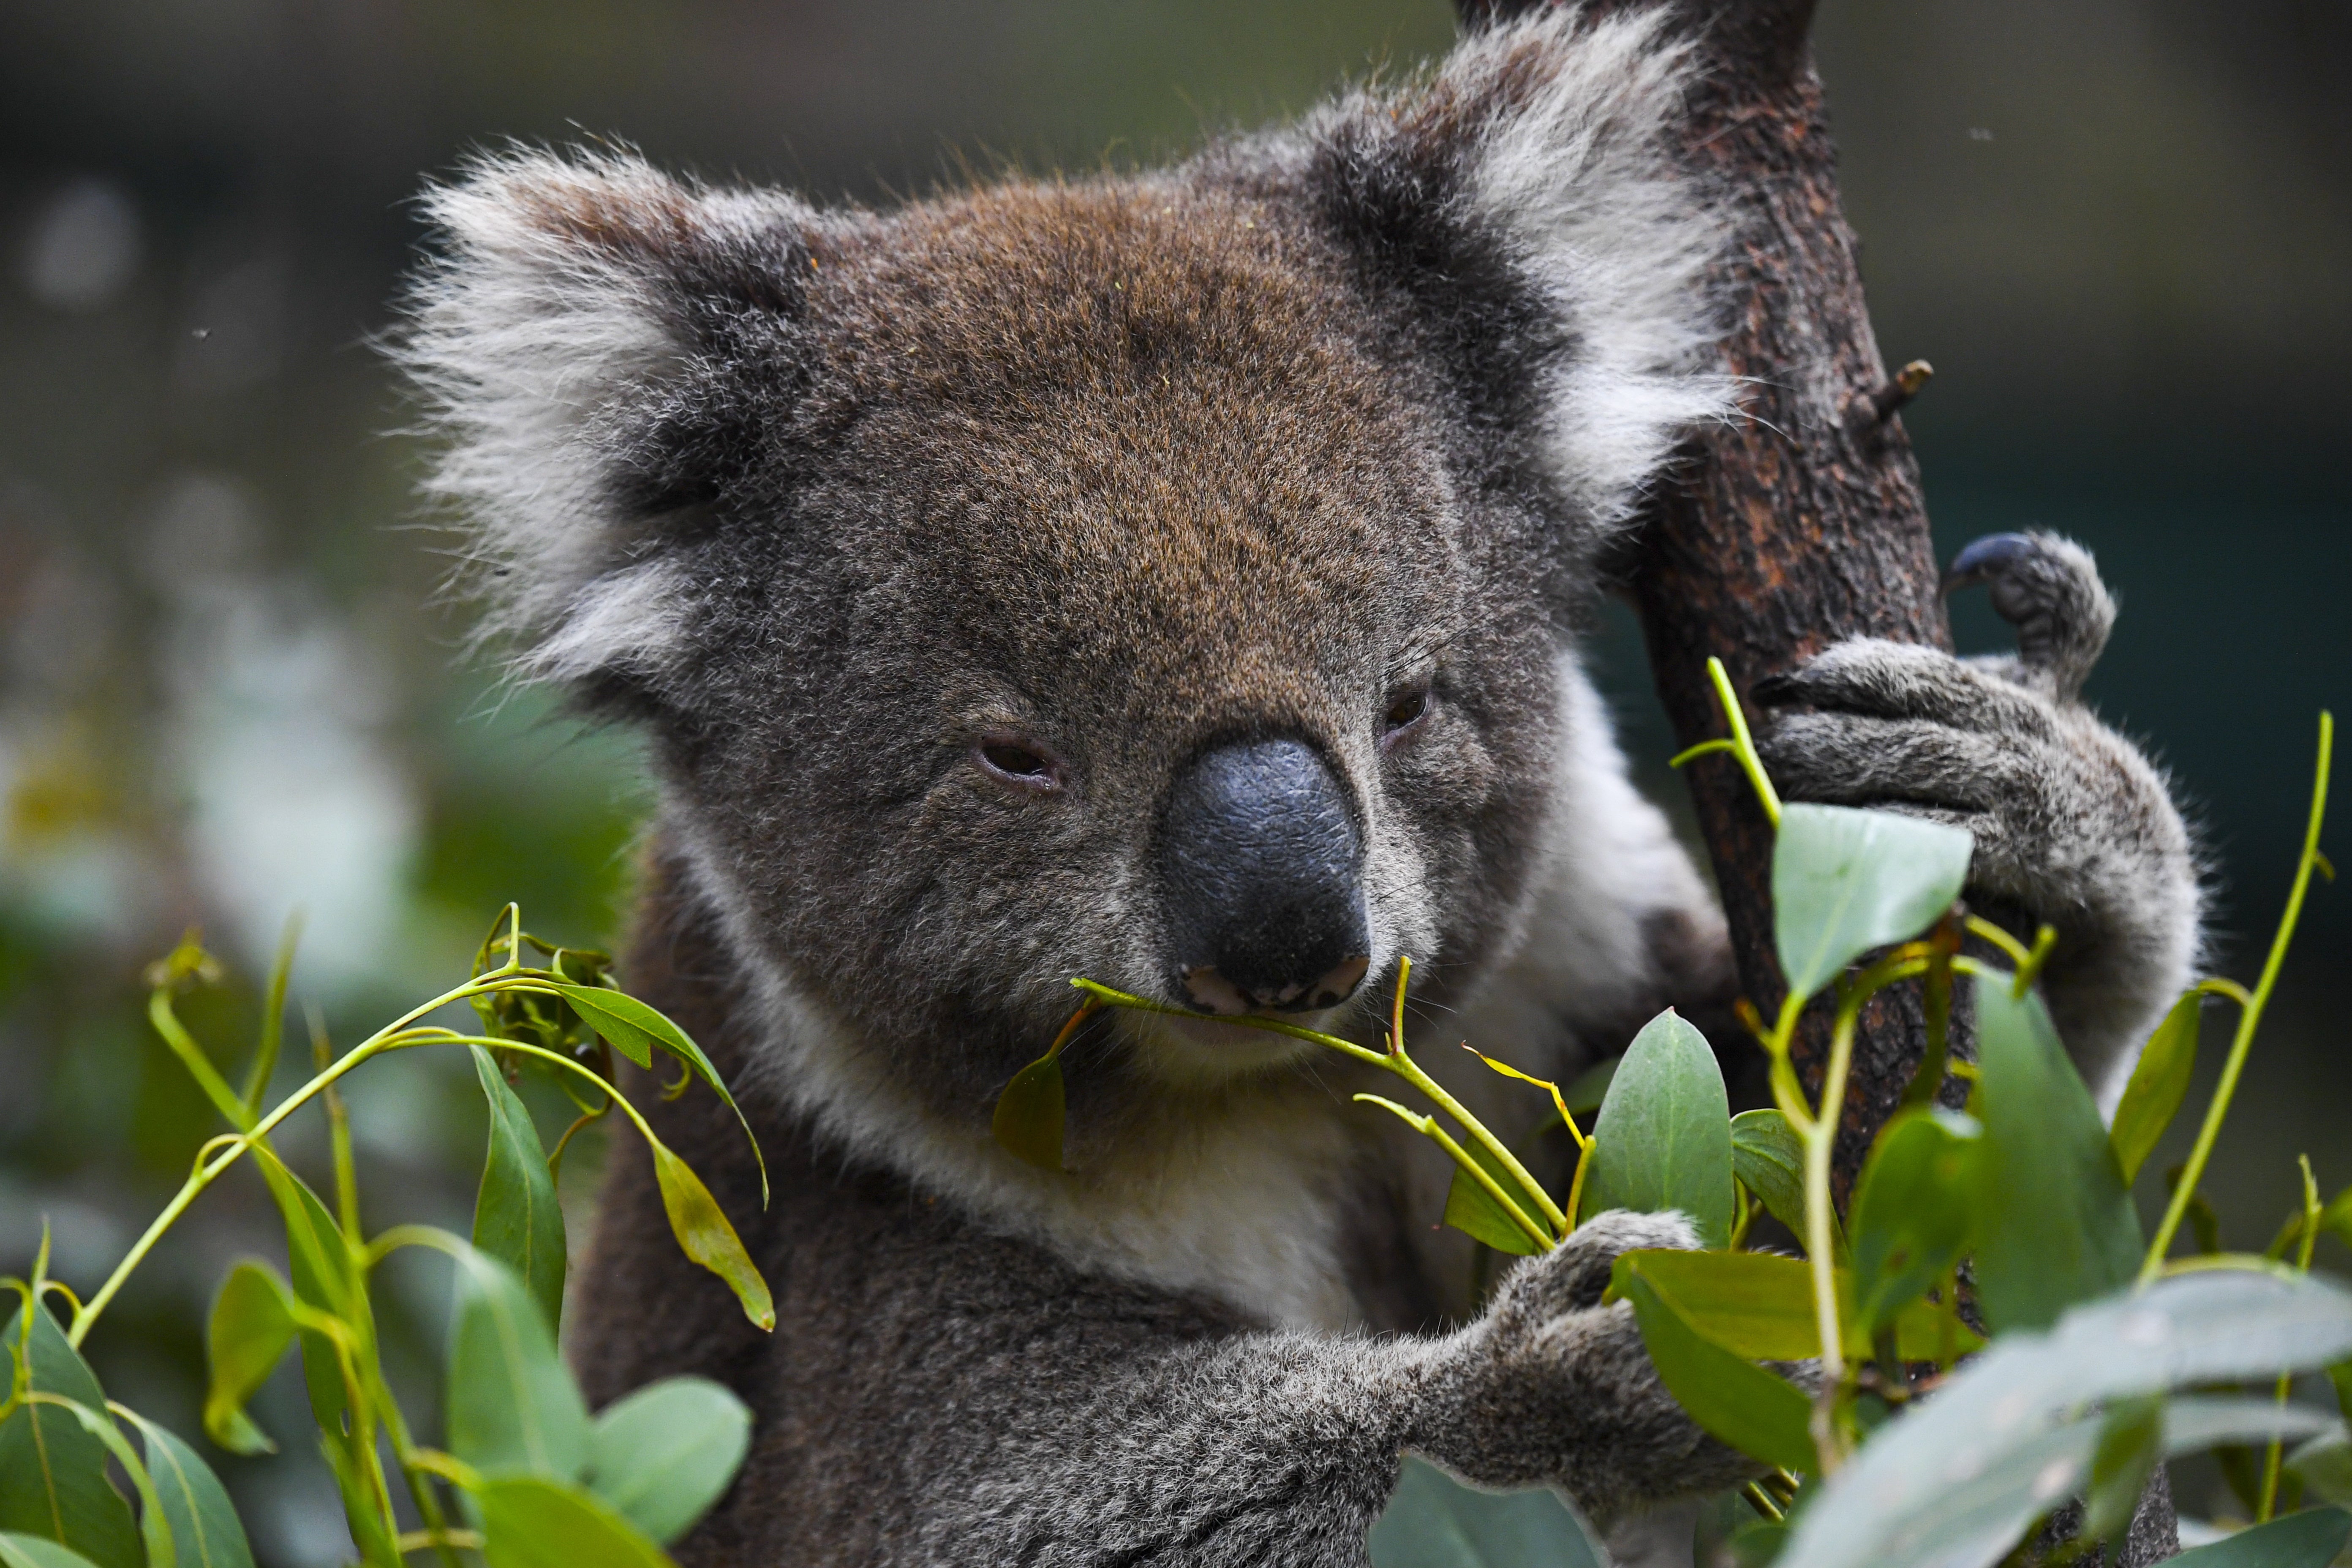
point(1178, 580)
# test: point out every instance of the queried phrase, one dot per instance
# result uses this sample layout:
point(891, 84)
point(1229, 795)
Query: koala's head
point(1162, 580)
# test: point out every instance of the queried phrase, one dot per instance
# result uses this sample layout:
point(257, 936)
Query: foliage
point(525, 1474)
point(1995, 1201)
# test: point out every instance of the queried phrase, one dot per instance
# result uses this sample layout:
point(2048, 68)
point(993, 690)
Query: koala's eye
point(1018, 762)
point(1406, 712)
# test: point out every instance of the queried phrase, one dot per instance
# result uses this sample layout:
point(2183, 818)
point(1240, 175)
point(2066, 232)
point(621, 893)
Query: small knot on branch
point(1876, 408)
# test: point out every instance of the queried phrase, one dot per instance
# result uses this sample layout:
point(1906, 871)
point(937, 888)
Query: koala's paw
point(2072, 824)
point(1551, 1387)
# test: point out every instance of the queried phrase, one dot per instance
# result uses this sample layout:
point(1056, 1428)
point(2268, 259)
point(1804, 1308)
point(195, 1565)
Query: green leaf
point(318, 1264)
point(36, 1552)
point(1434, 1522)
point(1029, 1114)
point(2131, 1442)
point(636, 1031)
point(205, 1529)
point(529, 1521)
point(2057, 1226)
point(2324, 1466)
point(2341, 1376)
point(1471, 1208)
point(155, 1528)
point(1845, 881)
point(512, 1405)
point(704, 1234)
point(664, 1455)
point(2004, 1435)
point(1769, 1158)
point(2309, 1540)
point(1910, 1219)
point(1663, 1137)
point(516, 1217)
point(2158, 1083)
point(1760, 1305)
point(1755, 1411)
point(252, 1324)
point(52, 1470)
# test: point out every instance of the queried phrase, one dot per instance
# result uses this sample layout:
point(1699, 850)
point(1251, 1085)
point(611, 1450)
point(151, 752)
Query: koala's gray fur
point(1114, 470)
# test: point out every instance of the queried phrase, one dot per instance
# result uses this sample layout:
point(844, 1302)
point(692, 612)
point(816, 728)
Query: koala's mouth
point(1203, 1052)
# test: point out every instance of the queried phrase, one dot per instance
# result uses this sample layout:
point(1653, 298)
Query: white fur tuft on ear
point(550, 324)
point(1577, 167)
point(1531, 180)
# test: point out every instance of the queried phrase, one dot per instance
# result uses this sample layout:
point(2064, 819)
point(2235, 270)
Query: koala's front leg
point(1551, 1387)
point(2072, 824)
point(1282, 1447)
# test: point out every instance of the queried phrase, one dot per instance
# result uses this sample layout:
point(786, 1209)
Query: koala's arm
point(2073, 825)
point(1283, 1446)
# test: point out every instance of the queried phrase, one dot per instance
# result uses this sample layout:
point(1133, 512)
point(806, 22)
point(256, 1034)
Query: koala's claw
point(2049, 589)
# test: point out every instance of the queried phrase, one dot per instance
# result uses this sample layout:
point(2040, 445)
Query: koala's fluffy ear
point(1525, 204)
point(580, 346)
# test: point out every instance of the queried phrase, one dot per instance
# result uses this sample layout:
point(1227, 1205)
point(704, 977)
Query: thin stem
point(1575, 1185)
point(2250, 1014)
point(1247, 1020)
point(2277, 1454)
point(1821, 1228)
point(1461, 1156)
point(391, 1037)
point(1761, 782)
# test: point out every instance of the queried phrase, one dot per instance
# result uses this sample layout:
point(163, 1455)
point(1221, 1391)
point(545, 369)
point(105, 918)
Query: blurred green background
point(2118, 227)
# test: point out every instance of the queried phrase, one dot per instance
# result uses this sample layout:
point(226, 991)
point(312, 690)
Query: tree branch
point(1801, 525)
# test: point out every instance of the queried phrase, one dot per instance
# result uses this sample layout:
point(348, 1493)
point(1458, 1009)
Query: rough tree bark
point(1802, 523)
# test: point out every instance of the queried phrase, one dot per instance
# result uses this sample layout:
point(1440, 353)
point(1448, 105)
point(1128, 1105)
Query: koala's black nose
point(1261, 866)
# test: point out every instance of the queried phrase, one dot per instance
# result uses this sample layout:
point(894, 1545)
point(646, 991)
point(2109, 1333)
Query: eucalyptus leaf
point(2158, 1081)
point(319, 1267)
point(1662, 1140)
point(529, 1521)
point(2324, 1466)
point(154, 1524)
point(206, 1532)
point(52, 1469)
point(1769, 1158)
point(1910, 1220)
point(1760, 1305)
point(1995, 1425)
point(1755, 1410)
point(1030, 1114)
point(705, 1234)
point(2196, 1422)
point(1434, 1521)
point(1845, 881)
point(38, 1552)
point(636, 1031)
point(516, 1217)
point(1471, 1208)
point(252, 1324)
point(2309, 1540)
point(2056, 1224)
point(512, 1405)
point(663, 1456)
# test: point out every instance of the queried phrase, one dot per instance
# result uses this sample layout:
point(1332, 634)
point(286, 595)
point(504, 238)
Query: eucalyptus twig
point(1740, 744)
point(1394, 1060)
point(2249, 1014)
